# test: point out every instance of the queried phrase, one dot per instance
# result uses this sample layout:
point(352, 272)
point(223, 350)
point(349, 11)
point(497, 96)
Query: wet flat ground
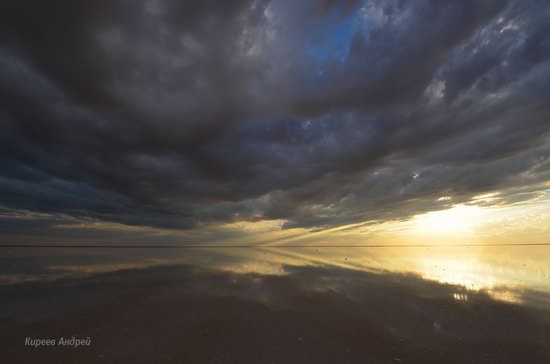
point(277, 305)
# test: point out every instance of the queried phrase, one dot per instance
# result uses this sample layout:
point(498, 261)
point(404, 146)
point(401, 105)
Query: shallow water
point(278, 305)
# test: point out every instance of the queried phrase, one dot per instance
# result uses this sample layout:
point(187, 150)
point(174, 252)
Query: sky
point(275, 122)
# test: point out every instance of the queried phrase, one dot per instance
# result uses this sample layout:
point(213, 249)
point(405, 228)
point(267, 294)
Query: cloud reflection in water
point(277, 305)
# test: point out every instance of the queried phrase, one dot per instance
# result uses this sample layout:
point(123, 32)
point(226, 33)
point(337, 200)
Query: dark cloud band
point(176, 114)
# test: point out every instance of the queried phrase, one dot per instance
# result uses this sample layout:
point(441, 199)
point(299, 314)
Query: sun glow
point(461, 220)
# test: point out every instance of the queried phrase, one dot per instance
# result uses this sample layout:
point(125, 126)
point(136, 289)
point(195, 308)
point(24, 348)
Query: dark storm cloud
point(320, 113)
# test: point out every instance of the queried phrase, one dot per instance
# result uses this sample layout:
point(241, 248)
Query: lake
point(418, 304)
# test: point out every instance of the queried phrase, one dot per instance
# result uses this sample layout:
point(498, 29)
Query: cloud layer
point(320, 113)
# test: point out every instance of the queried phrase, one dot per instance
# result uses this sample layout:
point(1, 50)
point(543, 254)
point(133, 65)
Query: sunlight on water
point(502, 272)
point(390, 302)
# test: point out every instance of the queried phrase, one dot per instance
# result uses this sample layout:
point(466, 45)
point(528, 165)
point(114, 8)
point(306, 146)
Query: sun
point(458, 221)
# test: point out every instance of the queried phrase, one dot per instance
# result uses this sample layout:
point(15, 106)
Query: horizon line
point(195, 246)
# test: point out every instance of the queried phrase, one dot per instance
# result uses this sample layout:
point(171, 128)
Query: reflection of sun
point(472, 275)
point(467, 273)
point(457, 221)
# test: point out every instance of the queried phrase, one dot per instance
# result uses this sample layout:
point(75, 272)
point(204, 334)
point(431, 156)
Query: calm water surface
point(278, 305)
